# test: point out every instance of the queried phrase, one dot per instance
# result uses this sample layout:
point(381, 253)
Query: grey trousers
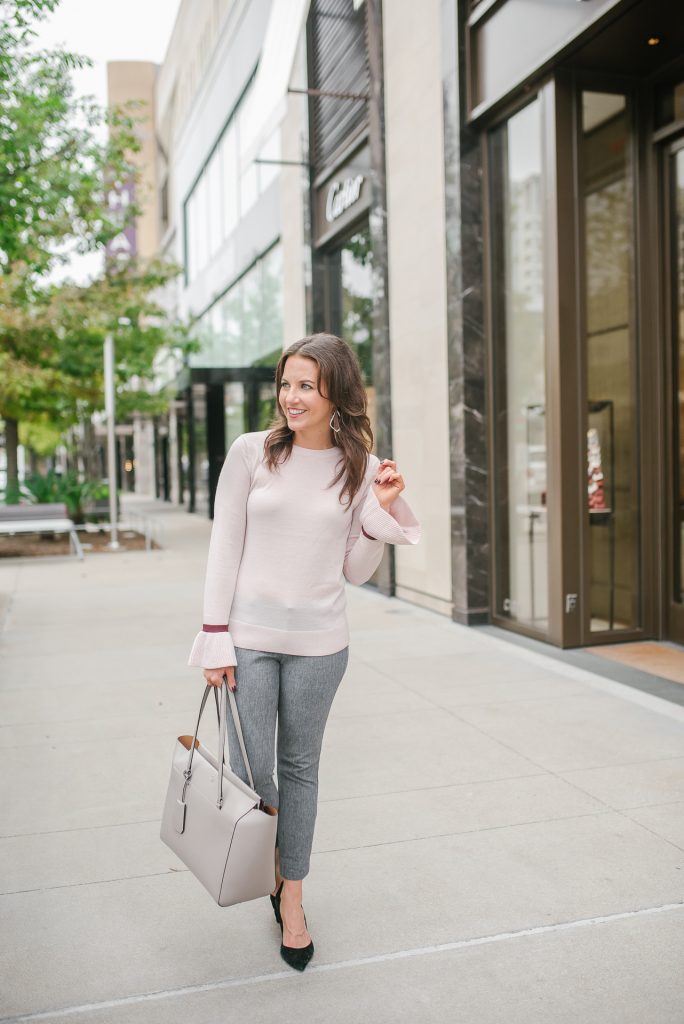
point(299, 690)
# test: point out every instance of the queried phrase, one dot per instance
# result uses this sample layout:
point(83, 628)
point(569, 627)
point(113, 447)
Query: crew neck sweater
point(282, 545)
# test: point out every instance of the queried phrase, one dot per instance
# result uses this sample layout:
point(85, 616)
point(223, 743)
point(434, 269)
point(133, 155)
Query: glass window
point(191, 237)
point(213, 207)
point(251, 315)
point(349, 303)
point(200, 455)
point(235, 409)
point(669, 104)
point(520, 507)
point(202, 223)
point(231, 304)
point(270, 344)
point(267, 404)
point(245, 326)
point(678, 374)
point(214, 202)
point(218, 334)
point(229, 181)
point(610, 352)
point(356, 266)
point(249, 182)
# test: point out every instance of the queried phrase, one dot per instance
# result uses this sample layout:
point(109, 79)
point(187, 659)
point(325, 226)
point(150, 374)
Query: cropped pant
point(298, 690)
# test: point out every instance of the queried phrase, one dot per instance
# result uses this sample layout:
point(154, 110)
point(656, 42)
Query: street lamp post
point(111, 439)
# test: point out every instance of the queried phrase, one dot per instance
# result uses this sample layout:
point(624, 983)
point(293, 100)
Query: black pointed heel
point(297, 958)
point(275, 901)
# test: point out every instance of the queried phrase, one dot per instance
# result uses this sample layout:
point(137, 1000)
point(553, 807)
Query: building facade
point(569, 141)
point(486, 199)
point(131, 85)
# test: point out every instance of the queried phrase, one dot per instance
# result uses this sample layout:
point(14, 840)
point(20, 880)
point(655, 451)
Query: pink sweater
point(281, 549)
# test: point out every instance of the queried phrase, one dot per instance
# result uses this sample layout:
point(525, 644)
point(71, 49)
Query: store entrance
point(610, 353)
point(673, 167)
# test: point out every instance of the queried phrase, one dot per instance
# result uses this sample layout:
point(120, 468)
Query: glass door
point(521, 550)
point(674, 167)
point(612, 598)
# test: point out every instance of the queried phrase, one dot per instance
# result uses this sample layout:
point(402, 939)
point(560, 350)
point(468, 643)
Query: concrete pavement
point(499, 838)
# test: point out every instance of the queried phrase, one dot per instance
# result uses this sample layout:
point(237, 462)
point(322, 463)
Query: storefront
point(343, 300)
point(348, 296)
point(581, 131)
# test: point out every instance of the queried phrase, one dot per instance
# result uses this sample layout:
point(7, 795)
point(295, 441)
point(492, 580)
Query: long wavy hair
point(340, 381)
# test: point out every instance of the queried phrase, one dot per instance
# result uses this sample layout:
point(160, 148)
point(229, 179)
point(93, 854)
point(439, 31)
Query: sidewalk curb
point(615, 687)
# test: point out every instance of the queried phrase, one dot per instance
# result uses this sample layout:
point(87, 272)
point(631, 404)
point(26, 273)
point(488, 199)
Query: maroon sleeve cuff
point(367, 534)
point(214, 629)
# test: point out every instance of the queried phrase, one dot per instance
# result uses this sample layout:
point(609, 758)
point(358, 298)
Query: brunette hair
point(339, 374)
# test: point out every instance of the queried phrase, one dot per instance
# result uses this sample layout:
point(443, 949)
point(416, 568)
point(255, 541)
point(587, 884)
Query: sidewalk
point(500, 837)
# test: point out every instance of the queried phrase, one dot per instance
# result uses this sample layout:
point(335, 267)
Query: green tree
point(54, 170)
point(55, 178)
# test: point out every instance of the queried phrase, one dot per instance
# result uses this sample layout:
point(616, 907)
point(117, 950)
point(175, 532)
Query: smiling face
point(308, 412)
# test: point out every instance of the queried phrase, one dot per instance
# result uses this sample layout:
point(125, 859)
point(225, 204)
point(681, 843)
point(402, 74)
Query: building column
point(143, 448)
point(377, 218)
point(173, 454)
point(465, 333)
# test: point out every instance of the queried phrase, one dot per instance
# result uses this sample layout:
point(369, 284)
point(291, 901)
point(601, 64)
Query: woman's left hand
point(388, 484)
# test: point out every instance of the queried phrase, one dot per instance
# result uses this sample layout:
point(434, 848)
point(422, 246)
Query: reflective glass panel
point(214, 200)
point(669, 104)
point(520, 508)
point(235, 408)
point(270, 346)
point(610, 354)
point(201, 223)
point(245, 326)
point(201, 458)
point(229, 180)
point(350, 271)
point(678, 375)
point(267, 405)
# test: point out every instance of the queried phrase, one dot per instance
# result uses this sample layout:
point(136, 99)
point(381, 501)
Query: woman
point(284, 540)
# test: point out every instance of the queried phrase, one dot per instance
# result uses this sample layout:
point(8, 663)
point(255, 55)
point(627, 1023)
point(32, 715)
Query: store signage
point(341, 196)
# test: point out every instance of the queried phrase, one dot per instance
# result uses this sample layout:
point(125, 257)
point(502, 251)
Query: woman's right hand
point(214, 676)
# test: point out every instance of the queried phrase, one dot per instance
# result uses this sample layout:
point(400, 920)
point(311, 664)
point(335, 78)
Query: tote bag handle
point(222, 715)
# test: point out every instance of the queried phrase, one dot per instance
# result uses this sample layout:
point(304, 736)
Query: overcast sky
point(107, 30)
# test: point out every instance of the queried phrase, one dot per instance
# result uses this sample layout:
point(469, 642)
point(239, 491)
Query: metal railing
point(151, 528)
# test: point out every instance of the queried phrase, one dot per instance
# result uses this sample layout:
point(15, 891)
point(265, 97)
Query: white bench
point(46, 518)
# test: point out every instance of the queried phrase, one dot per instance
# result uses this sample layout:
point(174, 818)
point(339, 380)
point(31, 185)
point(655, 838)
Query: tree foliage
point(54, 170)
point(57, 172)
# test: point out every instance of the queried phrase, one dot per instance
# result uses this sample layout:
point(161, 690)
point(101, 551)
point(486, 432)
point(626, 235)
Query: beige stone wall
point(417, 291)
point(135, 81)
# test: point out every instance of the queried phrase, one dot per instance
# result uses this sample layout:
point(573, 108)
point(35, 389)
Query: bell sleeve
point(213, 645)
point(372, 527)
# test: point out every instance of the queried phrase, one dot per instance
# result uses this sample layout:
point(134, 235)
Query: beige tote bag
point(217, 824)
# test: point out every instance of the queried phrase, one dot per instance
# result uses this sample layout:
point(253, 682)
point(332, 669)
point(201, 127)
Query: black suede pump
point(297, 958)
point(275, 901)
